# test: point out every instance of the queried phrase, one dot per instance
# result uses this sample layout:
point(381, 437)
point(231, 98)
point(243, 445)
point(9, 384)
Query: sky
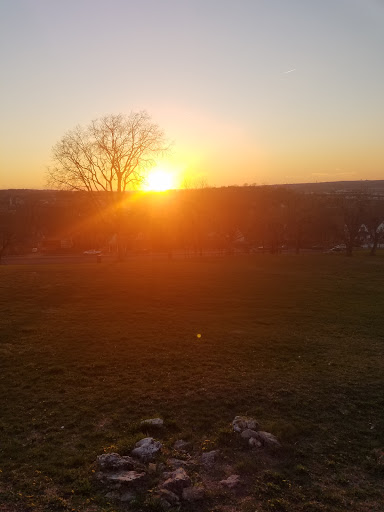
point(249, 91)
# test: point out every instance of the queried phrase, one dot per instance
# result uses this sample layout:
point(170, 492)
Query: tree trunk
point(119, 219)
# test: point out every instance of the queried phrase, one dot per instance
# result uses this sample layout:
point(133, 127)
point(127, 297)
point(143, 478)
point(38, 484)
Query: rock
point(112, 495)
point(241, 423)
point(178, 463)
point(209, 458)
point(254, 443)
point(193, 494)
point(127, 497)
point(145, 441)
point(164, 504)
point(248, 433)
point(153, 422)
point(176, 482)
point(268, 440)
point(99, 476)
point(181, 445)
point(169, 496)
point(231, 482)
point(146, 449)
point(131, 479)
point(116, 462)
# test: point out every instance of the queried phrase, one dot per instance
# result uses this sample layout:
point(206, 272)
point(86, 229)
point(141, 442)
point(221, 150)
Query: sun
point(159, 180)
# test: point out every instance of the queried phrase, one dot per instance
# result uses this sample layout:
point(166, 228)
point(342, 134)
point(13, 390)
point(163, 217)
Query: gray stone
point(113, 495)
point(146, 449)
point(248, 433)
point(254, 443)
point(193, 494)
point(209, 458)
point(178, 463)
point(165, 505)
point(99, 476)
point(268, 440)
point(169, 496)
point(153, 422)
point(144, 441)
point(241, 423)
point(231, 482)
point(176, 481)
point(115, 462)
point(125, 478)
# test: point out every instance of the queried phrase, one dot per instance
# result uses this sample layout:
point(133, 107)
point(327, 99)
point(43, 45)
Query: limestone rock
point(254, 443)
point(178, 463)
point(153, 422)
point(176, 481)
point(209, 458)
point(115, 462)
point(231, 482)
point(193, 494)
point(241, 423)
point(146, 449)
point(113, 495)
point(268, 440)
point(145, 441)
point(130, 479)
point(169, 496)
point(248, 433)
point(165, 505)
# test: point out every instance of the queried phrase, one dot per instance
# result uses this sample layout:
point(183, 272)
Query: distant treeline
point(227, 219)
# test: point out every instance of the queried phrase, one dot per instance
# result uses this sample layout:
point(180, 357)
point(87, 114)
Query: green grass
point(87, 351)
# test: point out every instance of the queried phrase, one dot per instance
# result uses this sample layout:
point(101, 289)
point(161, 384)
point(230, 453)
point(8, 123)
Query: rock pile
point(125, 476)
point(248, 428)
point(121, 475)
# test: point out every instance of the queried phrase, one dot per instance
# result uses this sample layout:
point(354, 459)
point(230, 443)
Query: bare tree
point(107, 158)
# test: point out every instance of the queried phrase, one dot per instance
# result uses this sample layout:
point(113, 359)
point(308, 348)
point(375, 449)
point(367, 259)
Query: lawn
point(88, 350)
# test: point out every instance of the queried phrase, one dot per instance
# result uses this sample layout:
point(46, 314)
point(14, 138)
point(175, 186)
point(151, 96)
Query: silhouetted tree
point(107, 158)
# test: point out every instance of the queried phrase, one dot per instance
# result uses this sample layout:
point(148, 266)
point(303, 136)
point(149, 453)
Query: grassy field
point(86, 351)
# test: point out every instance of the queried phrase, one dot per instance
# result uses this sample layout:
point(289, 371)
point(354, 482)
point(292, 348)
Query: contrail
point(289, 71)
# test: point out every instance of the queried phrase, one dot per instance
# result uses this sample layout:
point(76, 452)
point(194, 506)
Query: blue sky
point(265, 91)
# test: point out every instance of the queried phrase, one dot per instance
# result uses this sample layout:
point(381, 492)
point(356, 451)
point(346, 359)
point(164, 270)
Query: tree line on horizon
point(197, 220)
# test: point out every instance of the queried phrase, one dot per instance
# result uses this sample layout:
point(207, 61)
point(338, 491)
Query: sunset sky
point(250, 91)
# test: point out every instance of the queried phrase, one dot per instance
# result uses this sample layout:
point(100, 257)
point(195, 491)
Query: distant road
point(51, 259)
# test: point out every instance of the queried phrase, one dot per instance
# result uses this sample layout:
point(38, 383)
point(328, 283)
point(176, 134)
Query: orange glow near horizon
point(159, 179)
